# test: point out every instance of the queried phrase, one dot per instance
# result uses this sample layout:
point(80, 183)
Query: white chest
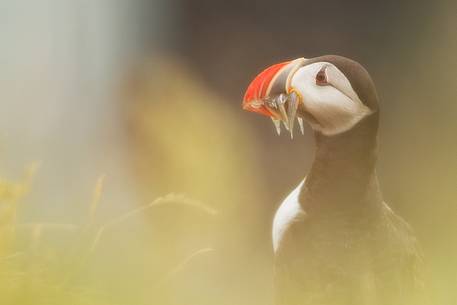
point(288, 211)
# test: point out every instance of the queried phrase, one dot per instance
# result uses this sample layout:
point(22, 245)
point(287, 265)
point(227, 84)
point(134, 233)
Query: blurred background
point(130, 175)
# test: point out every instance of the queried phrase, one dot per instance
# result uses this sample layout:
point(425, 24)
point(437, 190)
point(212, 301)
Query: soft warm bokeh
point(130, 175)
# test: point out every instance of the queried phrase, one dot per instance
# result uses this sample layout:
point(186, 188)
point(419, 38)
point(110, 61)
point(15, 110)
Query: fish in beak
point(271, 94)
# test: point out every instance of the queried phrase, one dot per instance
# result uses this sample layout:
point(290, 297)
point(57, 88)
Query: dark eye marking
point(321, 77)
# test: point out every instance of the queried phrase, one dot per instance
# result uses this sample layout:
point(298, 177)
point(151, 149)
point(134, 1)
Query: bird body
point(336, 241)
point(344, 245)
point(289, 211)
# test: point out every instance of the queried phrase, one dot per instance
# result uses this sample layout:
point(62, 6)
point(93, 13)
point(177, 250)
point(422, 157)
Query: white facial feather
point(336, 106)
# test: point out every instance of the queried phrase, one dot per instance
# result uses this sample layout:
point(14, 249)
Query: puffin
point(335, 240)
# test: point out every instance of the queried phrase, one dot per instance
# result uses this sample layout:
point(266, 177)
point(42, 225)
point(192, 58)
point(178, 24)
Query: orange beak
point(271, 94)
point(271, 82)
point(258, 90)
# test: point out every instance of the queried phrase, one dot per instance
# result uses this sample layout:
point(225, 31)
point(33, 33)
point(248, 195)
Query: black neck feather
point(343, 172)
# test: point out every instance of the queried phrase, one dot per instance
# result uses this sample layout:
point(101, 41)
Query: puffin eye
point(321, 77)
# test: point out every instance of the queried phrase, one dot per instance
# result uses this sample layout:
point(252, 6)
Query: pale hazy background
point(118, 103)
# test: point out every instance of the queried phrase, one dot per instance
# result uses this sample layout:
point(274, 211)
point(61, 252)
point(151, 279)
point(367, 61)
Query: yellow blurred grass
point(34, 275)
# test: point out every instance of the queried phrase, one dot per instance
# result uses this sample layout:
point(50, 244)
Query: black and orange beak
point(270, 94)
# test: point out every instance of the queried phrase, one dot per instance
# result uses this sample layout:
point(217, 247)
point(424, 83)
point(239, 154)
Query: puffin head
point(331, 93)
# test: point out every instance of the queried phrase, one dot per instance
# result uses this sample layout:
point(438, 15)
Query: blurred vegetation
point(47, 263)
point(174, 249)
